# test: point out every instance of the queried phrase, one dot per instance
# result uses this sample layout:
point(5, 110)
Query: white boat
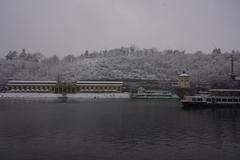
point(215, 98)
point(153, 94)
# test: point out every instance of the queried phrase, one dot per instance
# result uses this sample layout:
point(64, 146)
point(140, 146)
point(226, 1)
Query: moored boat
point(154, 94)
point(215, 98)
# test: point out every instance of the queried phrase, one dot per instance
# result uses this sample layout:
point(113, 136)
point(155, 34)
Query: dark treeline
point(121, 63)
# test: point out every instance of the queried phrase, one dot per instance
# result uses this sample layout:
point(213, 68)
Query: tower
point(184, 80)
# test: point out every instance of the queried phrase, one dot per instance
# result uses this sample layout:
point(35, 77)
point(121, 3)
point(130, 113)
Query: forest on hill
point(121, 63)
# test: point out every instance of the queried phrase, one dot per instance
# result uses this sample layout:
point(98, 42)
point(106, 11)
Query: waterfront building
point(63, 87)
point(31, 86)
point(99, 86)
point(184, 80)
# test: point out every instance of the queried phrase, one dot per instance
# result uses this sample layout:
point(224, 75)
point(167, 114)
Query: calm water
point(138, 130)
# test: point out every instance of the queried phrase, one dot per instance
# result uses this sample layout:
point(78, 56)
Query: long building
point(31, 86)
point(62, 87)
point(99, 86)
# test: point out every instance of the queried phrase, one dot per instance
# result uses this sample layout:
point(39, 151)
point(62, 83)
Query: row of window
point(31, 88)
point(217, 99)
point(52, 88)
point(98, 88)
point(197, 99)
point(228, 100)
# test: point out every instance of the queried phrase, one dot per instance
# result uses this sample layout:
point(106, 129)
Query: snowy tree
point(23, 54)
point(69, 58)
point(12, 55)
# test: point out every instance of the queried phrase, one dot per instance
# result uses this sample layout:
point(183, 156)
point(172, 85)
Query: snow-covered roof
point(31, 82)
point(184, 75)
point(99, 82)
point(237, 78)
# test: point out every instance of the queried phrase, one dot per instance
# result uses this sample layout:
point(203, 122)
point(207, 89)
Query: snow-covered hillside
point(122, 63)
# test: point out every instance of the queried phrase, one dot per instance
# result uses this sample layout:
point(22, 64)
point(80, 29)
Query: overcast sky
point(64, 27)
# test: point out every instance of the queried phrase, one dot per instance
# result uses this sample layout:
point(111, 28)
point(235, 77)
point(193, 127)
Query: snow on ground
point(53, 96)
point(99, 95)
point(29, 96)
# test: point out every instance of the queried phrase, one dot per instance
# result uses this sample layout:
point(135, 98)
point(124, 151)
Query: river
point(122, 130)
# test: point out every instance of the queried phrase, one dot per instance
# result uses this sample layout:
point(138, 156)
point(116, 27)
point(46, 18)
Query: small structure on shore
point(184, 80)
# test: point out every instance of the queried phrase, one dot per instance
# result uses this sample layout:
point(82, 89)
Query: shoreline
point(60, 98)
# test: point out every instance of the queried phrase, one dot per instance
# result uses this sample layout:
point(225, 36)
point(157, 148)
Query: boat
point(214, 98)
point(153, 94)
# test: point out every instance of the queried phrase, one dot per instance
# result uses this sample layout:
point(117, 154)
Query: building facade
point(31, 86)
point(99, 86)
point(63, 87)
point(184, 80)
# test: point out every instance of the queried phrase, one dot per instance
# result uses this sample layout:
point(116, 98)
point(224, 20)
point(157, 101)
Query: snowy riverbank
point(58, 97)
point(97, 96)
point(29, 96)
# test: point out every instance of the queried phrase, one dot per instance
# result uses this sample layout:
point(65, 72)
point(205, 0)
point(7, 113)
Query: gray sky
point(71, 26)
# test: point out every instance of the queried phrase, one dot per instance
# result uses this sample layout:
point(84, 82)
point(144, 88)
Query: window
point(209, 100)
point(194, 99)
point(235, 100)
point(224, 100)
point(218, 100)
point(199, 99)
point(230, 100)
